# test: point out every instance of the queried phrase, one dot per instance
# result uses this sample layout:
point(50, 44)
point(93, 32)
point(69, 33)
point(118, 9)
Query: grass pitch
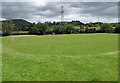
point(75, 57)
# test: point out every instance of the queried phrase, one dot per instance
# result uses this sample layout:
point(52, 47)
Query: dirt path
point(22, 35)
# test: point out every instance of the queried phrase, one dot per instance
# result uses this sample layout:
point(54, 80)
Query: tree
point(96, 25)
point(7, 27)
point(0, 28)
point(76, 23)
point(49, 30)
point(107, 28)
point(69, 29)
point(77, 30)
point(117, 29)
point(86, 30)
point(59, 29)
point(81, 26)
point(42, 28)
point(54, 23)
point(39, 28)
point(34, 30)
point(82, 29)
point(90, 24)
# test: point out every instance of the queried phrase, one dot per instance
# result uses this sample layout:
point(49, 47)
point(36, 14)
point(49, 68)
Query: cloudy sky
point(50, 11)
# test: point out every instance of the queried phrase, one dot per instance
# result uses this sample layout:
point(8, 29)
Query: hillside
point(21, 22)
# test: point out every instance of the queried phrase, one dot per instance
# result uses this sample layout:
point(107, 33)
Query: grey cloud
point(16, 10)
point(27, 10)
point(103, 9)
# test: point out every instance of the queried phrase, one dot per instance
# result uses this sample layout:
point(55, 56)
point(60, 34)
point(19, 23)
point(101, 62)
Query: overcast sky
point(50, 11)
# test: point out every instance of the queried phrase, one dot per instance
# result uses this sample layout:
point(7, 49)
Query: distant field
point(97, 28)
point(75, 57)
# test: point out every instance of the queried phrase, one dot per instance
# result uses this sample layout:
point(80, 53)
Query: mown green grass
point(0, 60)
point(76, 57)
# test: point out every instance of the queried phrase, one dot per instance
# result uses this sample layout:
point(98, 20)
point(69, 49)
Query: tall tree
point(7, 27)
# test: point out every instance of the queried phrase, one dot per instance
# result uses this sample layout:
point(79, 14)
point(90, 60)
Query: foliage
point(117, 29)
point(73, 27)
point(91, 30)
point(76, 23)
point(107, 28)
point(97, 25)
point(82, 29)
point(69, 29)
point(39, 28)
point(90, 24)
point(7, 27)
point(58, 29)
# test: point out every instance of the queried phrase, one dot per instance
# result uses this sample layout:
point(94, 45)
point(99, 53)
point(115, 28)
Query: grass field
point(76, 57)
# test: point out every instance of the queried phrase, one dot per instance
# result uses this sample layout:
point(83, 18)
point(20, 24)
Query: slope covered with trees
point(14, 27)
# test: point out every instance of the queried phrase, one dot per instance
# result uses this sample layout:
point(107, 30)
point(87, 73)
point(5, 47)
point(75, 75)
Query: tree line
point(73, 27)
